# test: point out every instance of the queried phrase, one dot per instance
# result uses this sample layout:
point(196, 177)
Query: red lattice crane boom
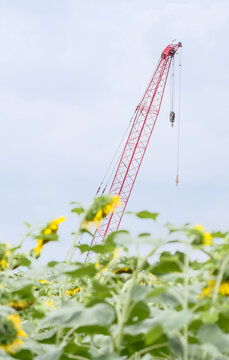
point(134, 150)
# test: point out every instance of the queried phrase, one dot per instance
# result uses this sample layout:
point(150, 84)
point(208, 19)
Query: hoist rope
point(106, 173)
point(112, 173)
point(116, 152)
point(172, 85)
point(112, 160)
point(178, 127)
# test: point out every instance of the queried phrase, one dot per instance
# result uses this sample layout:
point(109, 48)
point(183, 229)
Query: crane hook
point(172, 117)
point(177, 180)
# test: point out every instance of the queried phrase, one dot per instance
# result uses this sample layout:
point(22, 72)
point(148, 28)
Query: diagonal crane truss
point(134, 150)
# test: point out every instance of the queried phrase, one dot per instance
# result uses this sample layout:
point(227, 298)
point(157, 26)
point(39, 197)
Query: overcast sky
point(71, 75)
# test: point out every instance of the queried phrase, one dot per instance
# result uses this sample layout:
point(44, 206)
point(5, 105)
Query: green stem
point(149, 348)
point(75, 357)
point(219, 279)
point(185, 305)
point(29, 233)
point(124, 313)
point(67, 336)
point(73, 246)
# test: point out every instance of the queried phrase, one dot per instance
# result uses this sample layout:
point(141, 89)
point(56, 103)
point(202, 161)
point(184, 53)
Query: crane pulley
point(141, 128)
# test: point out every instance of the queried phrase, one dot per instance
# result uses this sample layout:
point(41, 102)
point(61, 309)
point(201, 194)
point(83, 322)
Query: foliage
point(160, 305)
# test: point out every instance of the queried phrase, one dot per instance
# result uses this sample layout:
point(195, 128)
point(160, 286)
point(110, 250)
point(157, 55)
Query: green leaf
point(100, 291)
point(23, 354)
point(147, 357)
point(172, 320)
point(53, 263)
point(47, 238)
point(125, 240)
point(198, 352)
point(73, 349)
point(45, 335)
point(81, 270)
point(52, 355)
point(78, 210)
point(219, 234)
point(153, 335)
point(168, 298)
point(77, 315)
point(5, 356)
point(22, 289)
point(107, 247)
point(144, 234)
point(21, 260)
point(176, 347)
point(212, 334)
point(140, 327)
point(99, 249)
point(147, 215)
point(211, 350)
point(27, 224)
point(93, 329)
point(168, 263)
point(139, 292)
point(109, 356)
point(210, 316)
point(156, 292)
point(144, 214)
point(74, 270)
point(139, 312)
point(223, 322)
point(5, 311)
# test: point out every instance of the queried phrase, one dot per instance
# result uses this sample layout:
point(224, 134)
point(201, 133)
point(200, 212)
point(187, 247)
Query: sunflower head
point(20, 304)
point(39, 247)
point(47, 234)
point(52, 227)
point(224, 288)
point(11, 333)
point(99, 209)
point(4, 256)
point(71, 292)
point(200, 236)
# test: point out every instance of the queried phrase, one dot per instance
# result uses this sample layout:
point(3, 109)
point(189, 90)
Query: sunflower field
point(140, 297)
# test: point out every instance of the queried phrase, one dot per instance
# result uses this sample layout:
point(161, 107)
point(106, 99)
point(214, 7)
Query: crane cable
point(178, 128)
point(172, 85)
point(112, 160)
point(107, 171)
point(118, 148)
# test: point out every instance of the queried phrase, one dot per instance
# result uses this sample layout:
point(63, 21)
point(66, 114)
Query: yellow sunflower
point(4, 256)
point(11, 333)
point(3, 263)
point(43, 281)
point(20, 304)
point(50, 229)
point(204, 238)
point(208, 291)
point(71, 292)
point(50, 303)
point(39, 247)
point(100, 208)
point(224, 288)
point(122, 270)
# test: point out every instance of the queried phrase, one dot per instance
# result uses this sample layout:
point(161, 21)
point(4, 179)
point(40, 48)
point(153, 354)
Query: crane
point(143, 123)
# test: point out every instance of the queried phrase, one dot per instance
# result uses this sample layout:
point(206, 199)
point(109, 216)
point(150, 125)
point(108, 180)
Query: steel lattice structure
point(134, 150)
